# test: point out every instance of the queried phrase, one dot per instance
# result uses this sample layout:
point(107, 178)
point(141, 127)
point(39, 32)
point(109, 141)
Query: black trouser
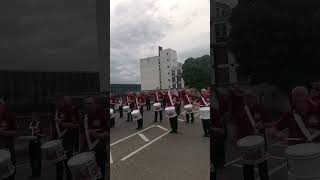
point(206, 126)
point(35, 157)
point(174, 124)
point(62, 165)
point(217, 152)
point(11, 147)
point(248, 171)
point(148, 103)
point(112, 122)
point(101, 158)
point(140, 123)
point(178, 109)
point(213, 176)
point(156, 115)
point(121, 111)
point(163, 103)
point(141, 111)
point(188, 117)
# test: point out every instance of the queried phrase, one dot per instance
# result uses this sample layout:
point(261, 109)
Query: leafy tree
point(196, 72)
point(277, 41)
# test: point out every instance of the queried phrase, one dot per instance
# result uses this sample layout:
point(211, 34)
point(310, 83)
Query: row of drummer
point(77, 145)
point(252, 124)
point(168, 101)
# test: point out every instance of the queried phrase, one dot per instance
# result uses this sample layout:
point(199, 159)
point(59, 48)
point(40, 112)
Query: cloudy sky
point(138, 27)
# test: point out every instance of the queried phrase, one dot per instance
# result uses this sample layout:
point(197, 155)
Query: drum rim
point(91, 153)
point(49, 147)
point(204, 108)
point(5, 158)
point(299, 155)
point(250, 146)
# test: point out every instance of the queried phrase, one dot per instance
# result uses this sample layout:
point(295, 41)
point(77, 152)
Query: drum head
point(126, 107)
point(157, 104)
point(188, 106)
point(4, 155)
point(305, 149)
point(135, 112)
point(250, 141)
point(170, 108)
point(81, 158)
point(111, 111)
point(204, 109)
point(51, 144)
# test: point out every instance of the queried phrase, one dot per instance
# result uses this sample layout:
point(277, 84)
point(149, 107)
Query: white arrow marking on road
point(144, 137)
point(111, 160)
point(131, 135)
point(161, 127)
point(146, 145)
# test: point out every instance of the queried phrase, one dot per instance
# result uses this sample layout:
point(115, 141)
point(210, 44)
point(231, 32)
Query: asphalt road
point(154, 153)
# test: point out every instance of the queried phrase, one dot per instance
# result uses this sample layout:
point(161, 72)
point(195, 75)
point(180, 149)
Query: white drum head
point(188, 106)
point(170, 108)
point(111, 111)
point(4, 155)
point(204, 109)
point(135, 112)
point(157, 104)
point(51, 144)
point(81, 158)
point(250, 141)
point(304, 149)
point(126, 107)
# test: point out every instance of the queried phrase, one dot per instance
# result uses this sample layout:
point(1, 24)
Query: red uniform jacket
point(7, 122)
point(244, 126)
point(141, 101)
point(160, 96)
point(113, 100)
point(206, 99)
point(191, 98)
point(98, 120)
point(287, 121)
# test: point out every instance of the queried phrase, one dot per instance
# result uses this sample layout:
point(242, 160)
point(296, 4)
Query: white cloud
point(138, 27)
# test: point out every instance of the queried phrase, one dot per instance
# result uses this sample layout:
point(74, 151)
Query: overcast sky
point(138, 27)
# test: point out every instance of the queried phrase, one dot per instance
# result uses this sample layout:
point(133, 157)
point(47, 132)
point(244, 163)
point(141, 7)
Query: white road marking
point(111, 160)
point(161, 127)
point(181, 120)
point(146, 145)
point(131, 135)
point(144, 137)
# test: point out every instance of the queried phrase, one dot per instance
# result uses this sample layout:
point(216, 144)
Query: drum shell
point(54, 154)
point(6, 167)
point(111, 113)
point(304, 167)
point(136, 115)
point(171, 112)
point(157, 106)
point(188, 108)
point(126, 109)
point(252, 154)
point(204, 113)
point(86, 170)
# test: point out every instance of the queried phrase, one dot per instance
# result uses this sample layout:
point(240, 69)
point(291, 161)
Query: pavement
point(277, 163)
point(154, 153)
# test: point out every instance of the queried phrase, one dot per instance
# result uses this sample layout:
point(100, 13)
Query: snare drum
point(53, 151)
point(171, 112)
point(126, 109)
point(6, 167)
point(157, 106)
point(111, 113)
point(252, 149)
point(204, 113)
point(303, 161)
point(83, 166)
point(188, 108)
point(136, 115)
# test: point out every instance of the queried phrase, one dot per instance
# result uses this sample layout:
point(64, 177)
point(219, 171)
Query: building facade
point(120, 89)
point(160, 71)
point(225, 69)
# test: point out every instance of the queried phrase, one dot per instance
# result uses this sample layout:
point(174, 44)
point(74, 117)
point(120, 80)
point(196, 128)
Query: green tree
point(277, 41)
point(196, 72)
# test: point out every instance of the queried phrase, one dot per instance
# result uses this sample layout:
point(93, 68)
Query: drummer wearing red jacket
point(188, 99)
point(236, 100)
point(169, 99)
point(8, 131)
point(217, 136)
point(158, 99)
point(113, 102)
point(252, 119)
point(121, 102)
point(303, 113)
point(177, 100)
point(131, 104)
point(204, 101)
point(98, 129)
point(139, 105)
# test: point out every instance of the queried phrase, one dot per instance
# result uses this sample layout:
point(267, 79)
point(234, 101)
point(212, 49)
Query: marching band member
point(217, 136)
point(188, 99)
point(159, 99)
point(169, 98)
point(120, 107)
point(148, 101)
point(130, 103)
point(236, 100)
point(204, 101)
point(8, 130)
point(67, 124)
point(140, 102)
point(97, 127)
point(302, 122)
point(177, 98)
point(113, 102)
point(35, 146)
point(315, 94)
point(252, 119)
point(164, 93)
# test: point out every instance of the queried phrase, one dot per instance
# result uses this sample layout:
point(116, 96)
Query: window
point(168, 66)
point(168, 60)
point(178, 78)
point(168, 73)
point(173, 79)
point(173, 85)
point(179, 86)
point(221, 30)
point(179, 72)
point(169, 80)
point(218, 12)
point(173, 72)
point(167, 53)
point(217, 29)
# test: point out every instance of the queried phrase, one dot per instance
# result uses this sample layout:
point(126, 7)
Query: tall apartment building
point(161, 71)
